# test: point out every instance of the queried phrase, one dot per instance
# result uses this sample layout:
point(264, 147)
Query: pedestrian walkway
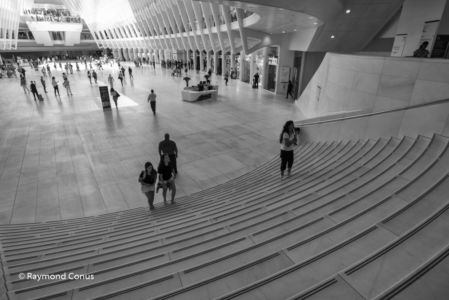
point(66, 158)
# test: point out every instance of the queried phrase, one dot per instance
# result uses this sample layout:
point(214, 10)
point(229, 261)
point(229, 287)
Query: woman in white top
point(288, 142)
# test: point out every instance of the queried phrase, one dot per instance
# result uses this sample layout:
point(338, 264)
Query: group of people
point(54, 83)
point(167, 171)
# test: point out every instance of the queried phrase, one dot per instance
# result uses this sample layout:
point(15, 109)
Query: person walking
point(256, 80)
point(111, 81)
point(288, 141)
point(152, 100)
point(44, 72)
point(123, 72)
point(23, 84)
point(226, 78)
point(89, 76)
point(66, 84)
point(33, 89)
point(168, 147)
point(147, 179)
point(94, 75)
point(120, 77)
point(130, 71)
point(44, 84)
point(48, 70)
point(115, 96)
point(54, 83)
point(167, 178)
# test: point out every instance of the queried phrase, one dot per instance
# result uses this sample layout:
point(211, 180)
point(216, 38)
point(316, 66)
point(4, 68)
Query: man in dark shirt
point(34, 90)
point(167, 178)
point(167, 146)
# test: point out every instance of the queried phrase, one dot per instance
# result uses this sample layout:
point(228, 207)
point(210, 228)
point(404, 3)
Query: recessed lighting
point(283, 31)
point(315, 23)
point(311, 18)
point(348, 11)
point(294, 29)
point(332, 36)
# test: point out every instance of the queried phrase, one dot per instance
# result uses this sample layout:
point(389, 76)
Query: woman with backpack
point(147, 179)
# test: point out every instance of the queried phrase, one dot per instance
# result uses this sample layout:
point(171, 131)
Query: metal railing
point(364, 115)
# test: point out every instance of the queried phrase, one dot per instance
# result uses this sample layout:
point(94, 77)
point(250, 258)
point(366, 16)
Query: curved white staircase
point(356, 220)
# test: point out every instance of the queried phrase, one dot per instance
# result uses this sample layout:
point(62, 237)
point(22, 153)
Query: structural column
point(115, 53)
point(147, 55)
point(232, 61)
point(156, 55)
point(242, 65)
point(126, 54)
point(252, 67)
point(195, 64)
point(216, 62)
point(161, 55)
point(208, 57)
point(265, 68)
point(201, 61)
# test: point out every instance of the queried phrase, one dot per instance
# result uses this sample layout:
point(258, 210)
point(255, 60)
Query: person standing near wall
point(288, 141)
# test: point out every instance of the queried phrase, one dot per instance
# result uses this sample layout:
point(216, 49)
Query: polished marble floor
point(67, 158)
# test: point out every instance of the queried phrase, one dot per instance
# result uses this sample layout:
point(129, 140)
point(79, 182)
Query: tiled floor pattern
point(67, 158)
